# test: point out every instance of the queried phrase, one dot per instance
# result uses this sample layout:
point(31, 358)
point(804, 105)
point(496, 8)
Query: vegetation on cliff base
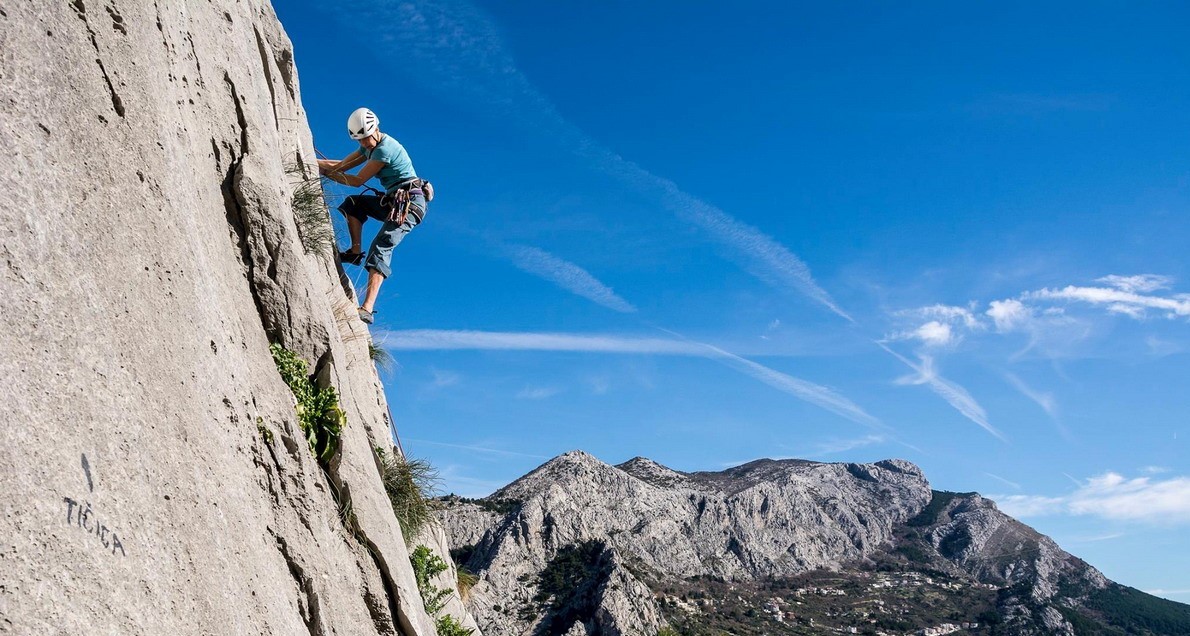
point(318, 411)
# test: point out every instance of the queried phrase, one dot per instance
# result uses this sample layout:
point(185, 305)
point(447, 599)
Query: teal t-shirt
point(398, 167)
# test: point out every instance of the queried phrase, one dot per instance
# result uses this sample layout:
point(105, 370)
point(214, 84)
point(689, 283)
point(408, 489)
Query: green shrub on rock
point(318, 411)
point(427, 565)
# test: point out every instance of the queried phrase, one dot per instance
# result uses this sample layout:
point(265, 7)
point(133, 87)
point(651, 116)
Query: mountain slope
point(581, 547)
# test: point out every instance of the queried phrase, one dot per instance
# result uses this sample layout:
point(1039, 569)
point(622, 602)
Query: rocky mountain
point(772, 547)
point(154, 471)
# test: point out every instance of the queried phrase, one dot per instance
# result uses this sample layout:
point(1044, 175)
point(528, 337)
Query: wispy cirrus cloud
point(955, 395)
point(1046, 401)
point(821, 396)
point(1118, 300)
point(835, 446)
point(440, 340)
point(1139, 283)
point(462, 50)
point(566, 275)
point(476, 448)
point(1112, 496)
point(1004, 481)
point(816, 394)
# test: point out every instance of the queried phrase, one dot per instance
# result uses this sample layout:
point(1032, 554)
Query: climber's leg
point(358, 208)
point(380, 255)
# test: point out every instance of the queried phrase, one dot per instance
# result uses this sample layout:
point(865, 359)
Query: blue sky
point(952, 234)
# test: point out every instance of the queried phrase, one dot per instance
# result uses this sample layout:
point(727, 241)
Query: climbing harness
point(399, 200)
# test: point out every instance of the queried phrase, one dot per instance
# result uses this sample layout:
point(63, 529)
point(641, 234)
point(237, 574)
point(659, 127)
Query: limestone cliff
point(154, 478)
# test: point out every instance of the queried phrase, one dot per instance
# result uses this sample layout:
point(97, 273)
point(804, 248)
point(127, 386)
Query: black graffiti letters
point(81, 514)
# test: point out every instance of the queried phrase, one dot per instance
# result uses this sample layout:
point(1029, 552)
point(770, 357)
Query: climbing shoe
point(351, 258)
point(366, 316)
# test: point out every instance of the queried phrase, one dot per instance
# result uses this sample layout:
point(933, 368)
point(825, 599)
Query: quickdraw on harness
point(399, 200)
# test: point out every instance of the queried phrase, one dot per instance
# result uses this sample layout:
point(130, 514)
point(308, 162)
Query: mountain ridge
point(678, 534)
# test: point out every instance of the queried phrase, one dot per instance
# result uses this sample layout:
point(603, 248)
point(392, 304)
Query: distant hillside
point(773, 547)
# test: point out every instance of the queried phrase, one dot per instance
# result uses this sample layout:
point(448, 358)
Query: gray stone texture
point(153, 474)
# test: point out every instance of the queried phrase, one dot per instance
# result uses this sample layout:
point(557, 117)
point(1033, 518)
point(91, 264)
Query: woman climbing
point(401, 208)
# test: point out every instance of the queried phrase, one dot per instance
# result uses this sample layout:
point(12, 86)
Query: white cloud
point(948, 314)
point(567, 275)
point(941, 327)
point(1009, 315)
point(1024, 506)
point(1115, 497)
point(1142, 283)
point(461, 49)
point(935, 333)
point(1117, 300)
point(431, 339)
point(955, 395)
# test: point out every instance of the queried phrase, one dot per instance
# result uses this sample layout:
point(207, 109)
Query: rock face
point(154, 477)
point(581, 547)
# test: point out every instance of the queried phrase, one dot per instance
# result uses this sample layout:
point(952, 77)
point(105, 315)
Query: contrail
point(818, 395)
point(566, 275)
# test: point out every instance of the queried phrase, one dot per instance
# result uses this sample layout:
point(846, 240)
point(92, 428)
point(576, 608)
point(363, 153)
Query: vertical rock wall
point(153, 476)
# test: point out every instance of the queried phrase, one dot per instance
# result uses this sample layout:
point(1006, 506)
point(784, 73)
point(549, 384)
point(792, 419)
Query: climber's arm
point(356, 180)
point(328, 166)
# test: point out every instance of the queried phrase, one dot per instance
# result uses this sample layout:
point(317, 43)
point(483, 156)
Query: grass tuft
point(381, 357)
point(465, 581)
point(310, 211)
point(410, 484)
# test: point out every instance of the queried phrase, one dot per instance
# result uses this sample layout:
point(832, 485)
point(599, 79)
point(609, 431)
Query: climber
point(401, 208)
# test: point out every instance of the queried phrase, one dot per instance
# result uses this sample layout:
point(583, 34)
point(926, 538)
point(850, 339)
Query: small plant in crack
point(318, 411)
point(265, 433)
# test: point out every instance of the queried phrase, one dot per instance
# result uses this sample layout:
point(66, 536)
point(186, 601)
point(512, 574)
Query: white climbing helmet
point(362, 123)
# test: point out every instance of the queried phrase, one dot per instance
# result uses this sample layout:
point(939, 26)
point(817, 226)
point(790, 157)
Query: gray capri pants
point(365, 206)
